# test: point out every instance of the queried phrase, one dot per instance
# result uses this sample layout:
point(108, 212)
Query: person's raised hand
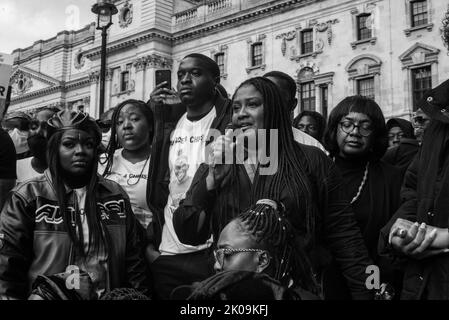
point(221, 152)
point(161, 92)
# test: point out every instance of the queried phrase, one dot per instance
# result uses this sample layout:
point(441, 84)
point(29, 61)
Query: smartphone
point(163, 75)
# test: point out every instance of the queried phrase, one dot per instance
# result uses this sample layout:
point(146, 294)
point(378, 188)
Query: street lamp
point(104, 11)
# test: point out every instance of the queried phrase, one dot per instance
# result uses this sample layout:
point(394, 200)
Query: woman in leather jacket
point(70, 218)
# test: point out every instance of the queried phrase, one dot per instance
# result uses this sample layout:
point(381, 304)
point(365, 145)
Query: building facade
point(390, 50)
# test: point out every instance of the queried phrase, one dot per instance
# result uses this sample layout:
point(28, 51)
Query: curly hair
point(445, 29)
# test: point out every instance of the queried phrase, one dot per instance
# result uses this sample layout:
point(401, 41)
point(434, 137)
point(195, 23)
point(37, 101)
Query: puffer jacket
point(34, 240)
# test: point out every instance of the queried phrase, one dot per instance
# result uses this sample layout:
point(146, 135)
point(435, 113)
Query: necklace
point(362, 184)
point(140, 175)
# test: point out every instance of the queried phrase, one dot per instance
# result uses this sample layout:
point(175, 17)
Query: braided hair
point(72, 220)
point(113, 144)
point(292, 172)
point(271, 230)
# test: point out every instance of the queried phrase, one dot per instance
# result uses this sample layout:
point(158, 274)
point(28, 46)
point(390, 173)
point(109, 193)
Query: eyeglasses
point(365, 128)
point(220, 254)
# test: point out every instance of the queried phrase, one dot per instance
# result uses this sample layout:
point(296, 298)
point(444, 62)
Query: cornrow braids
point(291, 173)
point(267, 224)
point(114, 144)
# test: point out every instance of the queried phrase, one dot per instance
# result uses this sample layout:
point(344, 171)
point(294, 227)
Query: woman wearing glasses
point(305, 181)
point(258, 256)
point(356, 139)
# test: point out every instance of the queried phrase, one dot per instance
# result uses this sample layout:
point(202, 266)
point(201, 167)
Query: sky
point(22, 22)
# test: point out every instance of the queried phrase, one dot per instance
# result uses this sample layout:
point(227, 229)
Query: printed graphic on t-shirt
point(187, 153)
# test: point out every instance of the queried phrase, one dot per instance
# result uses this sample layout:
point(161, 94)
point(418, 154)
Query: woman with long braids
point(356, 139)
point(70, 217)
point(258, 240)
point(128, 154)
point(305, 181)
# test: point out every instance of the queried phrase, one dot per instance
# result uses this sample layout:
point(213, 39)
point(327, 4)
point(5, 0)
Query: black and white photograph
point(223, 155)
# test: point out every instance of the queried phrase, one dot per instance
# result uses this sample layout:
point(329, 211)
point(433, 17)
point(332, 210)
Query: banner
point(6, 62)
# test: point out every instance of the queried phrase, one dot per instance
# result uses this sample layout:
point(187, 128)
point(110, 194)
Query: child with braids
point(258, 256)
point(306, 182)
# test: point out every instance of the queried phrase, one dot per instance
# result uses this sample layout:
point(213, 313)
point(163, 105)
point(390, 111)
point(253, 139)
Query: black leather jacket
point(34, 240)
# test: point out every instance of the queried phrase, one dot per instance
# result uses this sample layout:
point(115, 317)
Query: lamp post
point(104, 11)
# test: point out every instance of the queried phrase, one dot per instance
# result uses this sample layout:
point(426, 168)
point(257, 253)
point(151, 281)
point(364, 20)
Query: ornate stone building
point(390, 50)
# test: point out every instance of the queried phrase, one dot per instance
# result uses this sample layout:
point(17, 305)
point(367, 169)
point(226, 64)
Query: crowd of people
point(225, 197)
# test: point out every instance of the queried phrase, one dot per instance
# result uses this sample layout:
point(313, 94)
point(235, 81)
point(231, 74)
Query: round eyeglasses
point(365, 128)
point(220, 254)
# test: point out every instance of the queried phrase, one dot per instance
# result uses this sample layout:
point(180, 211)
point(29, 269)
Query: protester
point(131, 128)
point(301, 177)
point(37, 142)
point(70, 216)
point(181, 135)
point(357, 139)
point(312, 123)
point(418, 232)
point(8, 160)
point(402, 154)
point(18, 125)
point(105, 124)
point(398, 129)
point(259, 240)
point(287, 87)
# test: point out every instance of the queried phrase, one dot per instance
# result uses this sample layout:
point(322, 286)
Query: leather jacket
point(34, 240)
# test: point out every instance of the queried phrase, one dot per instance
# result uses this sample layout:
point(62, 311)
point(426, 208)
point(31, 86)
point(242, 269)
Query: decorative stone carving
point(286, 36)
point(109, 74)
point(308, 65)
point(21, 83)
point(157, 61)
point(327, 26)
point(94, 76)
point(126, 15)
point(79, 60)
point(140, 64)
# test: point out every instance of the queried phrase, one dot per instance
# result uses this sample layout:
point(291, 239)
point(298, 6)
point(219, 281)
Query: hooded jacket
point(34, 240)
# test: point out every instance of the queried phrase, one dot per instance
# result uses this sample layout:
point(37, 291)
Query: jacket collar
point(101, 182)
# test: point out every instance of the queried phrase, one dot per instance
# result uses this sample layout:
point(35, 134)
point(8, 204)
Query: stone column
point(94, 78)
point(140, 80)
point(108, 89)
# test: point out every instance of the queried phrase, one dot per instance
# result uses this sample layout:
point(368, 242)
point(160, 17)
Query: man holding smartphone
point(181, 132)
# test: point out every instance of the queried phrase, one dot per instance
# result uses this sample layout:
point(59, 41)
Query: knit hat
point(435, 103)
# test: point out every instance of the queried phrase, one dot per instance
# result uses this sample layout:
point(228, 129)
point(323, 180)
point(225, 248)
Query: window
point(365, 87)
point(324, 100)
point(419, 13)
point(219, 59)
point(124, 83)
point(256, 54)
point(307, 96)
point(306, 41)
point(421, 82)
point(364, 27)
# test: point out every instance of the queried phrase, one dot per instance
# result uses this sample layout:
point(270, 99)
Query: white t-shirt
point(187, 152)
point(133, 178)
point(25, 170)
point(304, 138)
point(95, 265)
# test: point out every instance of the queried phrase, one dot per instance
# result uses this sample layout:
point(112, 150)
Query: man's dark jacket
point(166, 119)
